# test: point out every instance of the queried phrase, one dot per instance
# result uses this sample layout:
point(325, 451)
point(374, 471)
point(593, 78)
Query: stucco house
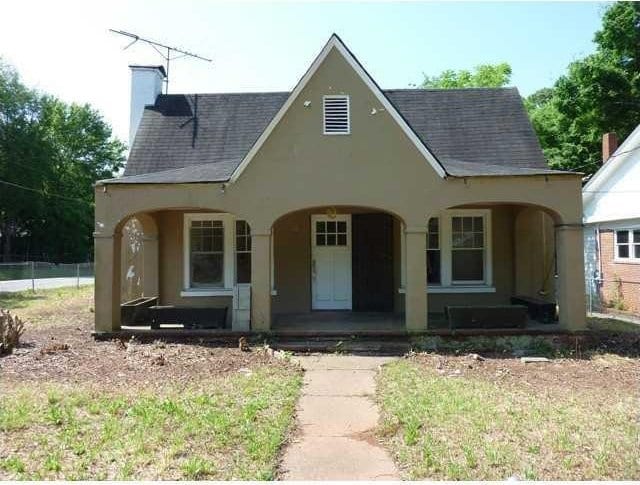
point(611, 201)
point(339, 201)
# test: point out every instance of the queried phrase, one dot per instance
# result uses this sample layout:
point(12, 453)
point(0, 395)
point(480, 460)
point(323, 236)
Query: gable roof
point(336, 43)
point(212, 137)
point(627, 151)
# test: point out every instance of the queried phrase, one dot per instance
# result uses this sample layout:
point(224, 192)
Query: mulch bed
point(602, 373)
point(69, 354)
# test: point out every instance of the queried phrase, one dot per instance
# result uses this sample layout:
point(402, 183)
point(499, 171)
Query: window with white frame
point(336, 116)
point(459, 248)
point(217, 253)
point(206, 255)
point(628, 244)
point(243, 252)
point(433, 252)
point(467, 249)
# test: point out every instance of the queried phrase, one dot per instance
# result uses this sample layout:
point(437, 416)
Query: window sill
point(456, 289)
point(207, 292)
point(626, 261)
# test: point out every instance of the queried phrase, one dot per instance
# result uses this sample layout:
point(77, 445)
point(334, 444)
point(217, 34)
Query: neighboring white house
point(611, 201)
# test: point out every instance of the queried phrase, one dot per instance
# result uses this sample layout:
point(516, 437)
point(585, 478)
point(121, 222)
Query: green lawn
point(470, 428)
point(51, 306)
point(230, 428)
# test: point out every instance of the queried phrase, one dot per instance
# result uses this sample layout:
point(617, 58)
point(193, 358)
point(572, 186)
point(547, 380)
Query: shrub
point(11, 328)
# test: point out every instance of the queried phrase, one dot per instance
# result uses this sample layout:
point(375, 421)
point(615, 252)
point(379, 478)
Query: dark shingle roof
point(472, 132)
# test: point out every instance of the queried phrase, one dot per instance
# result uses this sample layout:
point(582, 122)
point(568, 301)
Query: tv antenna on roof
point(170, 51)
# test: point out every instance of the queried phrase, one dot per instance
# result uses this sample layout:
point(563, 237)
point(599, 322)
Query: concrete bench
point(539, 310)
point(484, 316)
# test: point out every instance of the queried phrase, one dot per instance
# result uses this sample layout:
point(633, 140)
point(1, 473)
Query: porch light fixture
point(332, 212)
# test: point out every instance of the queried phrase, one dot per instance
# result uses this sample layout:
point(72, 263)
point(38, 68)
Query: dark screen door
point(372, 262)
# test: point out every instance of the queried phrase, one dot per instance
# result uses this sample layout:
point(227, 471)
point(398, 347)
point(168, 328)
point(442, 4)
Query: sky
point(64, 47)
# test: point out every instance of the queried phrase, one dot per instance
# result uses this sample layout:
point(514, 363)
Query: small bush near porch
point(453, 417)
point(75, 408)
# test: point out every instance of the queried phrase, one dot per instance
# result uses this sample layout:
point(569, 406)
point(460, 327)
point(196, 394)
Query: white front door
point(331, 262)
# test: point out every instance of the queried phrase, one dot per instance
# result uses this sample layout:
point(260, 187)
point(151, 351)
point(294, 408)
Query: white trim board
point(336, 43)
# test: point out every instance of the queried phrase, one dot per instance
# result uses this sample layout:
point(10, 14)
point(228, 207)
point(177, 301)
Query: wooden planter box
point(189, 317)
point(136, 312)
point(497, 316)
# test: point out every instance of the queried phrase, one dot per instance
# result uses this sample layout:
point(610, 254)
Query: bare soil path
point(336, 418)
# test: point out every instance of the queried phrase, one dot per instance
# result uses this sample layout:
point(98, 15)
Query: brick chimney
point(146, 85)
point(609, 145)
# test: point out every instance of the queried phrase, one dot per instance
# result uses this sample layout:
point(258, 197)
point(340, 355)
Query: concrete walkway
point(11, 286)
point(336, 417)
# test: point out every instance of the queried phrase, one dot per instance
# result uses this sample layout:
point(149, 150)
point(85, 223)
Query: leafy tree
point(51, 153)
point(483, 76)
point(598, 94)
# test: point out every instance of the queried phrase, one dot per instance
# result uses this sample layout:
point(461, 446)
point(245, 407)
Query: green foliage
point(55, 152)
point(522, 344)
point(598, 94)
point(483, 76)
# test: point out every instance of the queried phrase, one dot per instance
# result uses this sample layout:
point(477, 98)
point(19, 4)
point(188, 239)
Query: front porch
point(338, 271)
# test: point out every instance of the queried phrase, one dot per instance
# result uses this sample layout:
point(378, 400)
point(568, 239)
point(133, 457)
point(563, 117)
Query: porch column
point(416, 279)
point(260, 281)
point(107, 250)
point(150, 255)
point(570, 282)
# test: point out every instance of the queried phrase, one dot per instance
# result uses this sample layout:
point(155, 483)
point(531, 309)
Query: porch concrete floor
point(339, 321)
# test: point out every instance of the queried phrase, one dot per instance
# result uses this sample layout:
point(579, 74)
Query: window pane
point(331, 226)
point(342, 239)
point(467, 224)
point(467, 265)
point(331, 239)
point(320, 227)
point(320, 241)
point(433, 241)
point(433, 267)
point(243, 267)
point(342, 226)
point(636, 236)
point(623, 251)
point(217, 244)
point(622, 237)
point(433, 225)
point(207, 270)
point(478, 224)
point(636, 251)
point(241, 243)
point(456, 224)
point(478, 240)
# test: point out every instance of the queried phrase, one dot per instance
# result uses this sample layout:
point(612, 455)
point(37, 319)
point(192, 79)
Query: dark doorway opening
point(372, 262)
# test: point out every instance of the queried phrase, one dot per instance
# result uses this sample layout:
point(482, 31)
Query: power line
point(41, 192)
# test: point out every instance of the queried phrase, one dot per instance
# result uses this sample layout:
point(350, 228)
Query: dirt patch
point(69, 354)
point(606, 373)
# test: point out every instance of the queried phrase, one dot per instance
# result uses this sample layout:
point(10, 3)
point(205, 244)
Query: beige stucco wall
point(376, 167)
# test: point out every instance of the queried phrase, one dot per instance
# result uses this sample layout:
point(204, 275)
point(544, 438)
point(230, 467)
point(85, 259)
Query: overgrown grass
point(612, 325)
point(462, 428)
point(231, 430)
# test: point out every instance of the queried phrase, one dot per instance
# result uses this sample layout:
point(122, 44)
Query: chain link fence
point(72, 273)
point(614, 297)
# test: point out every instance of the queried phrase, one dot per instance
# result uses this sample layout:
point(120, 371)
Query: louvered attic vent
point(336, 115)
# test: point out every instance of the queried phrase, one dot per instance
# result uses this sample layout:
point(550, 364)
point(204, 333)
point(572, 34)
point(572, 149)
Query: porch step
point(347, 346)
